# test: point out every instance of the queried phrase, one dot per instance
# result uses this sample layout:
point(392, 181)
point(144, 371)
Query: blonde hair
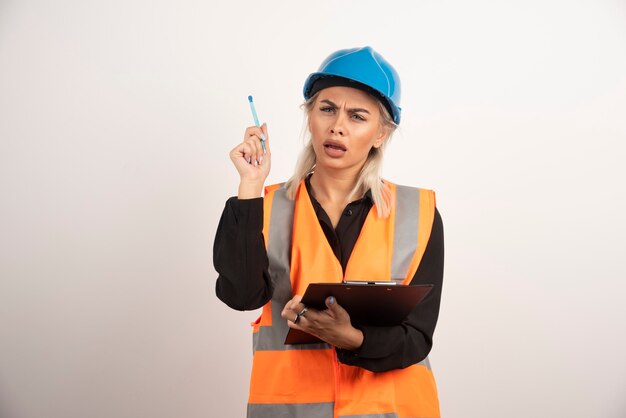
point(370, 175)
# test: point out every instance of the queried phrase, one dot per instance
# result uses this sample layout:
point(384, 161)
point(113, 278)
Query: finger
point(291, 308)
point(255, 149)
point(287, 312)
point(240, 151)
point(300, 315)
point(298, 307)
point(292, 304)
point(289, 315)
point(257, 152)
point(301, 321)
point(293, 319)
point(262, 134)
point(260, 150)
point(252, 131)
point(293, 325)
point(297, 318)
point(266, 139)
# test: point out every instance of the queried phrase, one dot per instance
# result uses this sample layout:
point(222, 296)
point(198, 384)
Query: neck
point(333, 187)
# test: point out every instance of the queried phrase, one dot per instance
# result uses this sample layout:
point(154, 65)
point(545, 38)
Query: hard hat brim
point(321, 80)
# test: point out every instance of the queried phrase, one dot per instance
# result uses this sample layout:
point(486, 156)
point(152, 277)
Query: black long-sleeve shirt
point(240, 258)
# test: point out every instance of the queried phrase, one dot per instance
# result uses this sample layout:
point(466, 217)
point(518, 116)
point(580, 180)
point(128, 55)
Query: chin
point(334, 163)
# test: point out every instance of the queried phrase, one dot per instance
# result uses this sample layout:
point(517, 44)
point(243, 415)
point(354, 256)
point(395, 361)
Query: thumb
point(335, 310)
point(331, 303)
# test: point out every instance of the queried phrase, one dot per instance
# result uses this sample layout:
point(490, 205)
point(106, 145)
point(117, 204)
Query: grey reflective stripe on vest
point(273, 338)
point(405, 236)
point(405, 231)
point(291, 410)
point(304, 410)
point(425, 363)
point(279, 255)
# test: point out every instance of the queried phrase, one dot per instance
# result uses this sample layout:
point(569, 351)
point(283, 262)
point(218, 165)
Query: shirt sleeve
point(240, 257)
point(396, 347)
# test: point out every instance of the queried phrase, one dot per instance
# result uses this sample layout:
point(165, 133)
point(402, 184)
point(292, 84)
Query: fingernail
point(261, 160)
point(250, 160)
point(331, 300)
point(262, 136)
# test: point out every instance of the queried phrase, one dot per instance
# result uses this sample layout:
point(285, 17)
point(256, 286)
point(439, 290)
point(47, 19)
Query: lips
point(334, 145)
point(334, 149)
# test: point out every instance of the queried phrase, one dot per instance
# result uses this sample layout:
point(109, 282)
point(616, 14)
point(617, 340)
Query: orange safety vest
point(307, 381)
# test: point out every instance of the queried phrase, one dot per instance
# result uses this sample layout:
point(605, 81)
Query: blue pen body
point(256, 121)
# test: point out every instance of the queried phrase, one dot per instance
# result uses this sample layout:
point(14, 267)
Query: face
point(345, 123)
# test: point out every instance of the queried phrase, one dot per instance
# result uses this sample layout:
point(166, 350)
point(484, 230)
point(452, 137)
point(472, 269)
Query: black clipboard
point(368, 303)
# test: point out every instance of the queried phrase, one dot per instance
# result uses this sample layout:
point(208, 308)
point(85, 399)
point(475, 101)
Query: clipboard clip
point(363, 283)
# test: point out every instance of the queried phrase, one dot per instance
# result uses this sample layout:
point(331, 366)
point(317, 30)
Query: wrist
point(250, 190)
point(354, 339)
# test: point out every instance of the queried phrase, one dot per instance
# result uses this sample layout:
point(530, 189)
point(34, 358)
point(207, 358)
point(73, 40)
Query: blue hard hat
point(367, 68)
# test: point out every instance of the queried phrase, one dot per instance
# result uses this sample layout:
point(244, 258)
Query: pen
point(256, 122)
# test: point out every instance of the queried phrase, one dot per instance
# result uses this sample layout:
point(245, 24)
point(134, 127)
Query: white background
point(116, 118)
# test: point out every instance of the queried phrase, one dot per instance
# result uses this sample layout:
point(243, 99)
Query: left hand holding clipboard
point(331, 325)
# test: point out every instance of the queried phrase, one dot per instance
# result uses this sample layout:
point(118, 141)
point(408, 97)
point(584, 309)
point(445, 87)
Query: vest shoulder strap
point(415, 213)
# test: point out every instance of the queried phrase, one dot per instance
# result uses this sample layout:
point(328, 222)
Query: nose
point(337, 131)
point(337, 128)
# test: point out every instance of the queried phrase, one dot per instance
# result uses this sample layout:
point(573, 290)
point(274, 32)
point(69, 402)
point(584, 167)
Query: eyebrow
point(355, 109)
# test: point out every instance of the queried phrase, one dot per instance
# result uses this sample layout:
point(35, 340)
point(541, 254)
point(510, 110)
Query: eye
point(357, 116)
point(327, 109)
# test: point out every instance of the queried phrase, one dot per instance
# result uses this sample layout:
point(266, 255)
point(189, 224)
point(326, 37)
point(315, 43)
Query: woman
point(335, 219)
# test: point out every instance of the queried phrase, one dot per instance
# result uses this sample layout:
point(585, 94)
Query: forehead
point(348, 96)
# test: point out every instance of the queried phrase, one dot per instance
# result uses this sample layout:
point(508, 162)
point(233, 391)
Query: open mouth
point(334, 145)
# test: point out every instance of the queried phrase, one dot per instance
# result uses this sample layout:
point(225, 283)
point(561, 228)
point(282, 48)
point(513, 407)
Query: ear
point(308, 121)
point(382, 137)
